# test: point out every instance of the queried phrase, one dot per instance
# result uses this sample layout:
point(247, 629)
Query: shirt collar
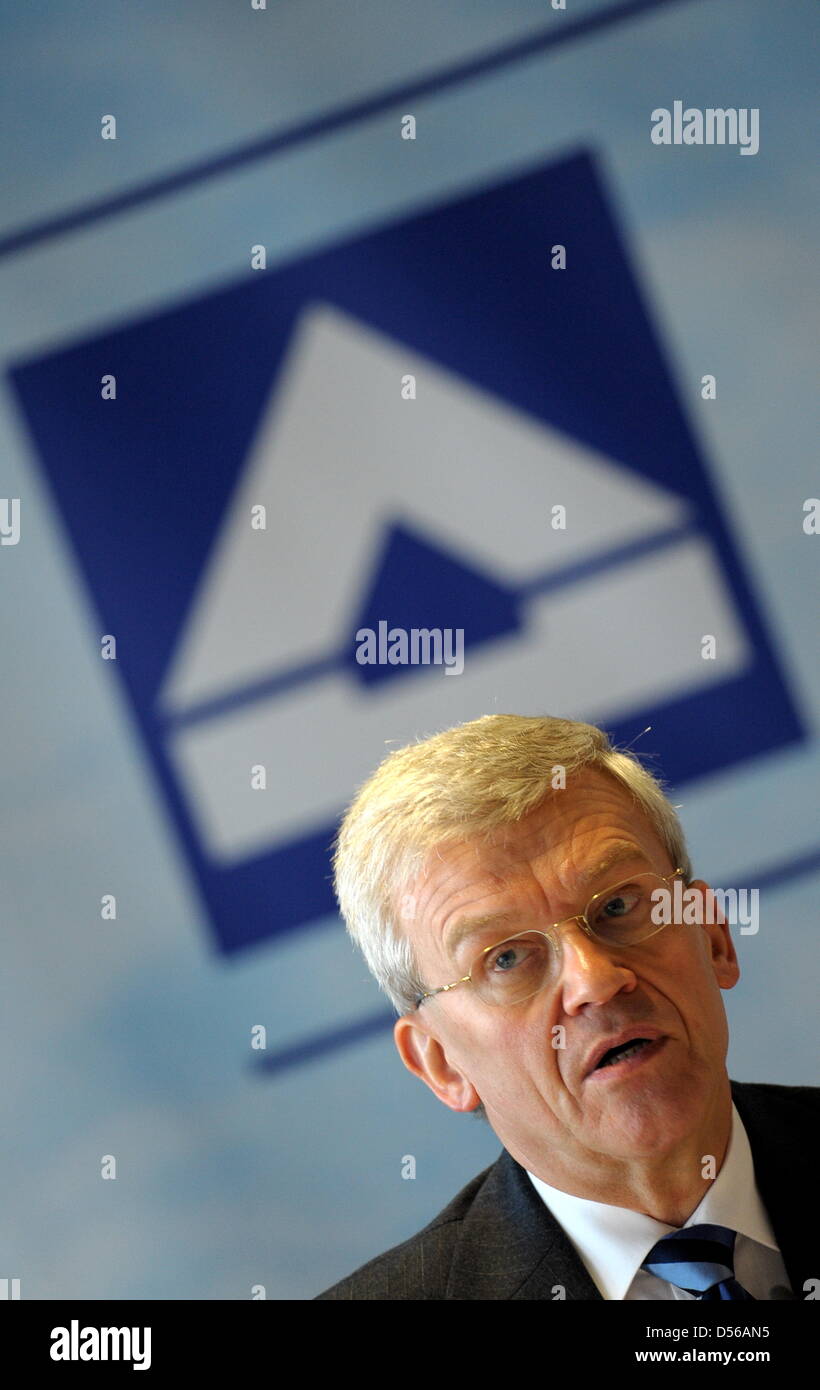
point(614, 1241)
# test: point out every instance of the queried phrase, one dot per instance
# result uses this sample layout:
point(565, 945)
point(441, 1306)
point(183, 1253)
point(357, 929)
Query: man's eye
point(508, 957)
point(619, 905)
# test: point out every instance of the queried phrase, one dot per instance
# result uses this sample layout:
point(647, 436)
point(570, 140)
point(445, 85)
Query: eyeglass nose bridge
point(586, 926)
point(552, 933)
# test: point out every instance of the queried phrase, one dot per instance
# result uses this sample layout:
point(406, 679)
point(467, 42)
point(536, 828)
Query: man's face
point(552, 1113)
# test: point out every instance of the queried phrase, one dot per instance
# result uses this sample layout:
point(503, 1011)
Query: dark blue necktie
point(699, 1259)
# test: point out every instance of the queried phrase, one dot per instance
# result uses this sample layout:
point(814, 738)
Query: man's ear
point(723, 956)
point(425, 1057)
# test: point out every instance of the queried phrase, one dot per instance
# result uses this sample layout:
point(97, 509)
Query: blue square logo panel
point(423, 428)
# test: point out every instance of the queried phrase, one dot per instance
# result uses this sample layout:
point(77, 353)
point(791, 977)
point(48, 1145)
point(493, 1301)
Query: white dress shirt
point(614, 1241)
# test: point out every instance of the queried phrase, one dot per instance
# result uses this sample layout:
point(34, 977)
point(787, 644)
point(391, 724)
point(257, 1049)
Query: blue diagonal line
point(279, 681)
point(331, 1041)
point(558, 33)
point(593, 565)
point(785, 872)
point(320, 1044)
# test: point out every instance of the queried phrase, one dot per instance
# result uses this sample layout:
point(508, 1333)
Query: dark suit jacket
point(497, 1239)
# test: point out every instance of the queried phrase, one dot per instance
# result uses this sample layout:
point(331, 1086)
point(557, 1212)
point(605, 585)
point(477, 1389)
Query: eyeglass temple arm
point(442, 989)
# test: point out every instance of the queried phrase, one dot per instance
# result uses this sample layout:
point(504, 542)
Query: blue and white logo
point(539, 394)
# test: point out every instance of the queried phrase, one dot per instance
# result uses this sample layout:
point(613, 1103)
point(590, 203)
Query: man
point(523, 894)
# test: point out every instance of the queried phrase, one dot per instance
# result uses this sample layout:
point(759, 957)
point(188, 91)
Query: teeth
point(621, 1056)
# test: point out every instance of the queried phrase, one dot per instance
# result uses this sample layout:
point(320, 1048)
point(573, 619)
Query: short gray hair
point(464, 782)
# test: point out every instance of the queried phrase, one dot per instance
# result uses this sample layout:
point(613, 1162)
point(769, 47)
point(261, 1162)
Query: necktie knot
point(699, 1259)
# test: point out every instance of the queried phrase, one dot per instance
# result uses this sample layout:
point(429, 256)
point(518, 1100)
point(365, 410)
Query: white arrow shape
point(339, 455)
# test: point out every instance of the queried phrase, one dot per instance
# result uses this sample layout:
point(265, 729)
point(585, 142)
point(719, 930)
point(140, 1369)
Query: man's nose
point(590, 971)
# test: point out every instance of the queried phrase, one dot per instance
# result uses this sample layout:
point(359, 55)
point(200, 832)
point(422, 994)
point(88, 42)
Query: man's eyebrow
point(469, 926)
point(620, 853)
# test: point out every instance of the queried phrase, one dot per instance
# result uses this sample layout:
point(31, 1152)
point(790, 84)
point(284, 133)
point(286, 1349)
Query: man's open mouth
point(622, 1051)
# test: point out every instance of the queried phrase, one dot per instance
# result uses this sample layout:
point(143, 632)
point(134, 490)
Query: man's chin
point(649, 1119)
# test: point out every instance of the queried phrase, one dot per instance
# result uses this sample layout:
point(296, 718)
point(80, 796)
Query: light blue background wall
point(134, 1041)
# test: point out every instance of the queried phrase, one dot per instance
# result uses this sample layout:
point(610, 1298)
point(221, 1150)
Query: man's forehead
point(564, 820)
point(574, 836)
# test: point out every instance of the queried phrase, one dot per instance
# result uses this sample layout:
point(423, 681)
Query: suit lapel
point(511, 1247)
point(780, 1144)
